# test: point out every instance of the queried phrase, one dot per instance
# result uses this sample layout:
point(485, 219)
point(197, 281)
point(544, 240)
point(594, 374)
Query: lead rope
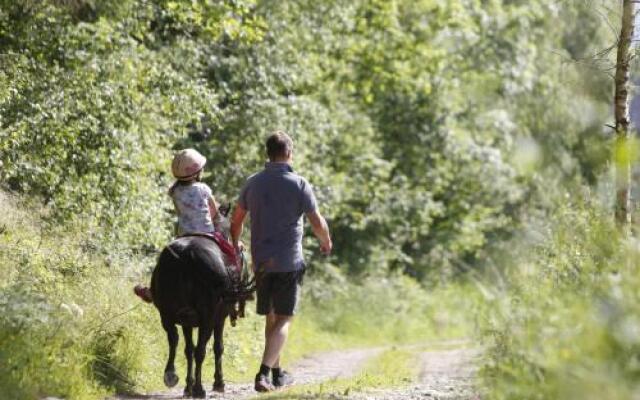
point(243, 285)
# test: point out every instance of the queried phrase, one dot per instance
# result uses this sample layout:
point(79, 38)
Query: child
point(194, 203)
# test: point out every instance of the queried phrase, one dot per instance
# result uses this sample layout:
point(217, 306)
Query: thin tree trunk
point(621, 110)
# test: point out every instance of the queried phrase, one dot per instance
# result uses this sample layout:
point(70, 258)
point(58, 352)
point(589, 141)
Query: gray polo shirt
point(276, 198)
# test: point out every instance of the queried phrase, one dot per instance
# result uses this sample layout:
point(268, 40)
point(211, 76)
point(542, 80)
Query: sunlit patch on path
point(445, 374)
point(446, 371)
point(314, 368)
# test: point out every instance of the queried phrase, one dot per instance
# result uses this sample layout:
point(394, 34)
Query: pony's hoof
point(218, 387)
point(187, 393)
point(199, 393)
point(170, 379)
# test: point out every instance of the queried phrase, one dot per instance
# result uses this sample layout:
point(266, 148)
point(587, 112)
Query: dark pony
point(191, 287)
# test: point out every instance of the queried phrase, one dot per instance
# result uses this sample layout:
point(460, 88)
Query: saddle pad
point(227, 248)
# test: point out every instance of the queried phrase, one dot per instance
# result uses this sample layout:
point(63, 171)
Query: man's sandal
point(262, 384)
point(284, 378)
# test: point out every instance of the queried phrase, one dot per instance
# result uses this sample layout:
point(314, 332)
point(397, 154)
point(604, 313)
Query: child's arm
point(176, 228)
point(213, 207)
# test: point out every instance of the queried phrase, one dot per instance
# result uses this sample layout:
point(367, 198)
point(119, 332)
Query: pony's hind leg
point(188, 353)
point(204, 334)
point(218, 348)
point(170, 377)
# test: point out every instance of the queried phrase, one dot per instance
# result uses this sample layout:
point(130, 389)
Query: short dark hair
point(279, 145)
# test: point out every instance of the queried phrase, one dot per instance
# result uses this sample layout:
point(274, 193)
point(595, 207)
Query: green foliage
point(434, 132)
point(67, 329)
point(91, 107)
point(564, 324)
point(396, 124)
point(400, 110)
point(397, 306)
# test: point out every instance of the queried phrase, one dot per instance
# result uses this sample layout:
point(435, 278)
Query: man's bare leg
point(276, 332)
point(270, 320)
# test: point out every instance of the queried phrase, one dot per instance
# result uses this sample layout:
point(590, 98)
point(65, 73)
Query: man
point(276, 199)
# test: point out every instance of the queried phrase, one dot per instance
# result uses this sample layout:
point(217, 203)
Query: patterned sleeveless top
point(192, 206)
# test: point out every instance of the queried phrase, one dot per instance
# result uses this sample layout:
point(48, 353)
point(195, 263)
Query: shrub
point(564, 324)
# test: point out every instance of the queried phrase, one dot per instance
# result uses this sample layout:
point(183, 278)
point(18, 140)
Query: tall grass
point(565, 323)
point(68, 324)
point(71, 327)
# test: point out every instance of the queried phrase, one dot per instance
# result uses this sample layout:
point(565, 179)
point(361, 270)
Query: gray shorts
point(278, 292)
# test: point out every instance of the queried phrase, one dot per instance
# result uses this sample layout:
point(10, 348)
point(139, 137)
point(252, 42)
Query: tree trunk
point(621, 110)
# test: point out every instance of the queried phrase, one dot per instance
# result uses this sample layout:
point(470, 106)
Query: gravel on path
point(310, 369)
point(444, 375)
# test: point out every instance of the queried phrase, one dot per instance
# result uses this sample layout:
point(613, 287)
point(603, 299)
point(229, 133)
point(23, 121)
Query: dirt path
point(311, 369)
point(445, 374)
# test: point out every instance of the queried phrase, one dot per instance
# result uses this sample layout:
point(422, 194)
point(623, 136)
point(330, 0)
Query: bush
point(66, 328)
point(564, 324)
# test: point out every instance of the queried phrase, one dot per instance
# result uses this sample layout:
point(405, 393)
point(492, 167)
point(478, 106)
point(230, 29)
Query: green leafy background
point(457, 149)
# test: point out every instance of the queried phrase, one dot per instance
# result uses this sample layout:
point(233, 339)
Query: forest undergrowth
point(452, 147)
point(71, 326)
point(561, 317)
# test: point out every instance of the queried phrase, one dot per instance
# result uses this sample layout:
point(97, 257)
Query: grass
point(70, 326)
point(565, 324)
point(392, 368)
point(355, 318)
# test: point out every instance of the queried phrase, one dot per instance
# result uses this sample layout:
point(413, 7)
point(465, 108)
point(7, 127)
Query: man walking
point(276, 198)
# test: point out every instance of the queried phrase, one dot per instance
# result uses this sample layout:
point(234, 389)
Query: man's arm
point(320, 230)
point(237, 223)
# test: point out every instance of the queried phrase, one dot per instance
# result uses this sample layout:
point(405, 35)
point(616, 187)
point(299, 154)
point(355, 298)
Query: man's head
point(279, 147)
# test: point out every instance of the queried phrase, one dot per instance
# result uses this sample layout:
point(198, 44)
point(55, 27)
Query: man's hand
point(326, 247)
point(239, 246)
point(321, 231)
point(237, 220)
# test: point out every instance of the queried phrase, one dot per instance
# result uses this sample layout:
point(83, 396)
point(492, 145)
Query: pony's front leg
point(218, 349)
point(170, 377)
point(204, 334)
point(188, 353)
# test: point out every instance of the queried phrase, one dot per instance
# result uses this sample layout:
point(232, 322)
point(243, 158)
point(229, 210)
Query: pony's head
point(222, 222)
point(243, 289)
